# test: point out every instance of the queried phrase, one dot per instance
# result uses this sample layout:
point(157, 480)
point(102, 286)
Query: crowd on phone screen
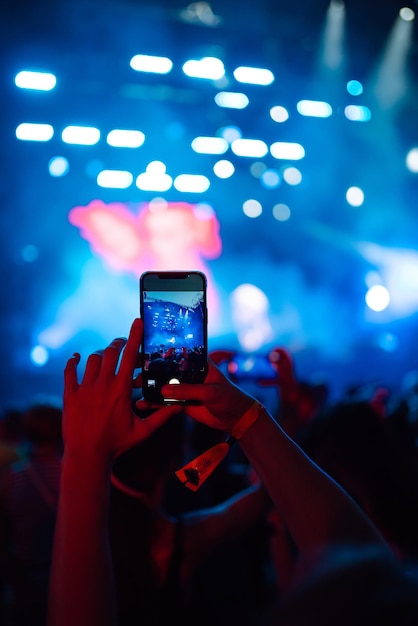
point(243, 560)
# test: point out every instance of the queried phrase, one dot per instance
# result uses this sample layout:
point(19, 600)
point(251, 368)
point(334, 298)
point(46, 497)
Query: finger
point(111, 357)
point(70, 373)
point(130, 354)
point(93, 365)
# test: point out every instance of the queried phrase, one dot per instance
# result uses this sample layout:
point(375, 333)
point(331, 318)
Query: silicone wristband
point(247, 420)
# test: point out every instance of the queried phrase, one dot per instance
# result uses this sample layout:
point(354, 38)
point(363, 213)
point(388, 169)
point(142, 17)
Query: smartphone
point(173, 307)
point(251, 367)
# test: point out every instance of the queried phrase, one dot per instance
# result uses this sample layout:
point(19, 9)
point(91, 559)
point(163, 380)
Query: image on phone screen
point(175, 337)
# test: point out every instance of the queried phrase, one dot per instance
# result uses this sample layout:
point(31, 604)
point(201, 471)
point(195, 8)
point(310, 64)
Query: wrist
point(246, 420)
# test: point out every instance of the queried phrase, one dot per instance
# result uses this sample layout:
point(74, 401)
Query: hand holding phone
point(174, 350)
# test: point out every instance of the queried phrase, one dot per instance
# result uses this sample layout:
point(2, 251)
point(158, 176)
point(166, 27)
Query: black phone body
point(173, 307)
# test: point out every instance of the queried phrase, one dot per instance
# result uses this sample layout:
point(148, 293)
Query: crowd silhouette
point(310, 519)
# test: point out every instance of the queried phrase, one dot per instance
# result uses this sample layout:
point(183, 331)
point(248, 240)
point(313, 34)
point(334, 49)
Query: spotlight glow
point(279, 114)
point(252, 208)
point(377, 298)
point(58, 166)
point(39, 356)
point(412, 160)
point(314, 108)
point(38, 81)
point(34, 132)
point(125, 138)
point(114, 179)
point(151, 64)
point(355, 196)
point(209, 67)
point(81, 135)
point(223, 169)
point(287, 150)
point(249, 147)
point(231, 100)
point(253, 75)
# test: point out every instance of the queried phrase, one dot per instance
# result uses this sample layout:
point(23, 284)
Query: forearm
point(82, 590)
point(314, 507)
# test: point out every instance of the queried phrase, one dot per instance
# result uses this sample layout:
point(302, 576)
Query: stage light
point(270, 179)
point(154, 178)
point(407, 14)
point(151, 64)
point(252, 208)
point(210, 145)
point(81, 135)
point(230, 133)
point(223, 169)
point(355, 196)
point(292, 176)
point(281, 212)
point(200, 13)
point(58, 166)
point(377, 298)
point(30, 253)
point(249, 147)
point(314, 108)
point(191, 183)
point(356, 113)
point(332, 50)
point(125, 138)
point(231, 100)
point(208, 67)
point(38, 81)
point(114, 179)
point(354, 87)
point(412, 160)
point(279, 114)
point(287, 150)
point(387, 342)
point(257, 169)
point(39, 356)
point(253, 75)
point(34, 132)
point(390, 83)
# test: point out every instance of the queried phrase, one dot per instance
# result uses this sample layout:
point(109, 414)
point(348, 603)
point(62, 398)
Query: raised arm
point(315, 509)
point(98, 424)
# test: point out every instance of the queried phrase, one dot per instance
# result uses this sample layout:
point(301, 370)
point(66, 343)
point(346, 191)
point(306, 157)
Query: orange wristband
point(247, 420)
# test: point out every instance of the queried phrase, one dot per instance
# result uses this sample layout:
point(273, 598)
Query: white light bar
point(151, 64)
point(125, 138)
point(208, 67)
point(154, 178)
point(194, 183)
point(314, 108)
point(253, 75)
point(210, 145)
point(34, 132)
point(287, 150)
point(116, 179)
point(231, 100)
point(249, 147)
point(81, 135)
point(357, 113)
point(39, 81)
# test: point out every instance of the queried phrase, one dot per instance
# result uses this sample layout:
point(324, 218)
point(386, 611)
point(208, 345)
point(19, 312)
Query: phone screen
point(174, 312)
point(251, 367)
